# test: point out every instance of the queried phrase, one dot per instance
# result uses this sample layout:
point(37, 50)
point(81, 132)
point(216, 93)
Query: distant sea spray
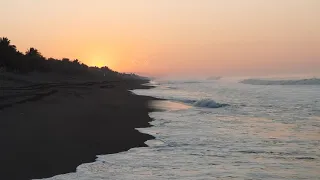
point(311, 81)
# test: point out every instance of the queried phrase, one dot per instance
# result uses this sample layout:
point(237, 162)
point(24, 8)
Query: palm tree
point(35, 60)
point(8, 53)
point(5, 43)
point(33, 52)
point(6, 48)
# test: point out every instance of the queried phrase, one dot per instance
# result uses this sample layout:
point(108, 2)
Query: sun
point(101, 59)
point(98, 61)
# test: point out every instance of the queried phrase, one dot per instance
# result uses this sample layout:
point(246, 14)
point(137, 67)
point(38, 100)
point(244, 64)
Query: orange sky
point(171, 37)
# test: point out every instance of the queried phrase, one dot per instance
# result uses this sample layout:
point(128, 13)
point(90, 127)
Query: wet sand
point(48, 129)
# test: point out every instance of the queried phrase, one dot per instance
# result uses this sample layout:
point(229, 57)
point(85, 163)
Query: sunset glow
point(177, 37)
point(159, 89)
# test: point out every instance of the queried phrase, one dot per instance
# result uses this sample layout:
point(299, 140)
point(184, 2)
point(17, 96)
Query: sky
point(171, 37)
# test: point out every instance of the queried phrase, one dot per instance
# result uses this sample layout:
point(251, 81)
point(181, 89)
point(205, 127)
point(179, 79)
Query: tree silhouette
point(8, 54)
point(15, 61)
point(5, 44)
point(76, 61)
point(33, 52)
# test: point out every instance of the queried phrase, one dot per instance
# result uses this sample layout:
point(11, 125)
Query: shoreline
point(53, 133)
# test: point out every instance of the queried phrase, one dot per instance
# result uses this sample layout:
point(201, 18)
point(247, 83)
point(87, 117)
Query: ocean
point(221, 129)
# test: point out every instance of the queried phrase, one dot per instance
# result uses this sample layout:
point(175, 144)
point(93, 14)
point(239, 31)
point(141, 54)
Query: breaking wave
point(208, 103)
point(205, 103)
point(312, 81)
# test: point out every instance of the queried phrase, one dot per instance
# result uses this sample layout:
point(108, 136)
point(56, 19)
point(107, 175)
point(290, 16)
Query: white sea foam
point(274, 136)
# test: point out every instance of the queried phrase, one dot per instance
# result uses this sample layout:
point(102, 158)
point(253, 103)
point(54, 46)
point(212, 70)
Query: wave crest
point(209, 103)
point(206, 103)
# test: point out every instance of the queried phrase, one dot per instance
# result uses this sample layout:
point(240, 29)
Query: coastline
point(51, 132)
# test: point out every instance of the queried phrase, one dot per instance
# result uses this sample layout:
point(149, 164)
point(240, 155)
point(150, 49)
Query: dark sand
point(51, 128)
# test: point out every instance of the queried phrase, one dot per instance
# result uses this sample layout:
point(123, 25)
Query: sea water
point(221, 130)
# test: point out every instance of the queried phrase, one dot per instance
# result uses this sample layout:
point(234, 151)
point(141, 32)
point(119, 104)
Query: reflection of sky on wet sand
point(167, 105)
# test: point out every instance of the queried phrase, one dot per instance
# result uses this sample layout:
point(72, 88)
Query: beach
point(220, 129)
point(48, 129)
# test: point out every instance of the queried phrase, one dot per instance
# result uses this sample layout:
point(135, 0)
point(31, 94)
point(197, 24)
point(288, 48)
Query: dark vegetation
point(12, 60)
